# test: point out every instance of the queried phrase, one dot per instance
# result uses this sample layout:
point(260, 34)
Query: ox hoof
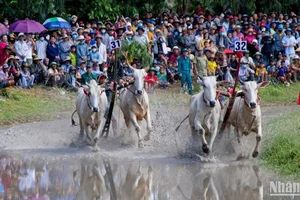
point(96, 139)
point(147, 137)
point(141, 145)
point(96, 148)
point(255, 154)
point(205, 148)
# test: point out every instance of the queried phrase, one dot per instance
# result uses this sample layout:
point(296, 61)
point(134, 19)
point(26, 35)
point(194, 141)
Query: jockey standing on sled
point(110, 75)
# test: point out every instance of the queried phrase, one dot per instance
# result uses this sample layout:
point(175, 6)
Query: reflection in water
point(87, 180)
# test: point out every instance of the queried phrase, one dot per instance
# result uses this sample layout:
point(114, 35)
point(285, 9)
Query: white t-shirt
point(41, 47)
point(29, 52)
point(288, 41)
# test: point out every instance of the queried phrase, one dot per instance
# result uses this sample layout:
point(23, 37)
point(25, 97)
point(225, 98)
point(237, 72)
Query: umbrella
point(3, 29)
point(26, 26)
point(56, 23)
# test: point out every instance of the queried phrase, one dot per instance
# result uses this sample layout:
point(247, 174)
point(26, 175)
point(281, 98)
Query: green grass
point(281, 152)
point(39, 103)
point(280, 94)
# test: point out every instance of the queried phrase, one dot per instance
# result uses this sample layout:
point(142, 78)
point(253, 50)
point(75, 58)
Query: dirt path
point(47, 144)
point(165, 141)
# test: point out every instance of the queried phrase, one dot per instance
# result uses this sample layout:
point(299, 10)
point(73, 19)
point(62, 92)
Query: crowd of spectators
point(181, 46)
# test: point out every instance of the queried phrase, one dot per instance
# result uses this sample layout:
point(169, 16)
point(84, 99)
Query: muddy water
point(60, 174)
point(37, 162)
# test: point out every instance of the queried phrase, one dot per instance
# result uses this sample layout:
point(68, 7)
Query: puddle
point(65, 178)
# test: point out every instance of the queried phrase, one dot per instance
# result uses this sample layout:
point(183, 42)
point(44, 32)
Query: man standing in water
point(184, 70)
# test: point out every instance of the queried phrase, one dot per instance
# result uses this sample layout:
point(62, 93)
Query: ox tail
point(181, 123)
point(72, 119)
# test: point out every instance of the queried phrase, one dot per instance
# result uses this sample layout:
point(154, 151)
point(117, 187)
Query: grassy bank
point(281, 152)
point(280, 95)
point(37, 104)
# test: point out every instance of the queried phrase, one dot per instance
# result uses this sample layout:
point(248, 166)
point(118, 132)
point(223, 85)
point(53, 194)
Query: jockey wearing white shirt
point(21, 47)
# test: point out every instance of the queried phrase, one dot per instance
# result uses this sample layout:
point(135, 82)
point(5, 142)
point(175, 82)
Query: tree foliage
point(136, 50)
point(108, 9)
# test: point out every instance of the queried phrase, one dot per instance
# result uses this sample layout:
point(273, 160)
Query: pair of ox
point(205, 113)
point(92, 184)
point(91, 105)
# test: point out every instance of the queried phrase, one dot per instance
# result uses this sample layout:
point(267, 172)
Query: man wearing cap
point(73, 21)
point(70, 81)
point(289, 42)
point(268, 46)
point(88, 75)
point(82, 50)
point(5, 79)
point(52, 50)
point(27, 79)
point(159, 43)
point(21, 47)
point(190, 39)
point(200, 63)
point(278, 36)
point(141, 37)
point(104, 35)
point(247, 60)
point(53, 75)
point(295, 68)
point(82, 67)
point(245, 72)
point(94, 55)
point(66, 64)
point(102, 52)
point(64, 47)
point(39, 70)
point(184, 70)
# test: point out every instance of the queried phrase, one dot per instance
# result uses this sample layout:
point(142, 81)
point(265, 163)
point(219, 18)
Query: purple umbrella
point(26, 26)
point(3, 29)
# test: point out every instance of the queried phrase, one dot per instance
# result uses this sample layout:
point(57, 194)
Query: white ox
point(92, 183)
point(205, 112)
point(245, 116)
point(91, 104)
point(134, 103)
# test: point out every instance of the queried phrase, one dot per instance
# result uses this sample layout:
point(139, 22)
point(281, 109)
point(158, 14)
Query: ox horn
point(147, 68)
point(201, 78)
point(241, 82)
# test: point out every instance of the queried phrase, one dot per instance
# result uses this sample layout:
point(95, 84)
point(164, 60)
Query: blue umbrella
point(56, 23)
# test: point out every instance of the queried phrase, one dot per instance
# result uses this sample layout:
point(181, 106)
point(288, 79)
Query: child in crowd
point(261, 72)
point(271, 69)
point(151, 79)
point(127, 71)
point(162, 78)
point(283, 75)
point(73, 55)
point(212, 66)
